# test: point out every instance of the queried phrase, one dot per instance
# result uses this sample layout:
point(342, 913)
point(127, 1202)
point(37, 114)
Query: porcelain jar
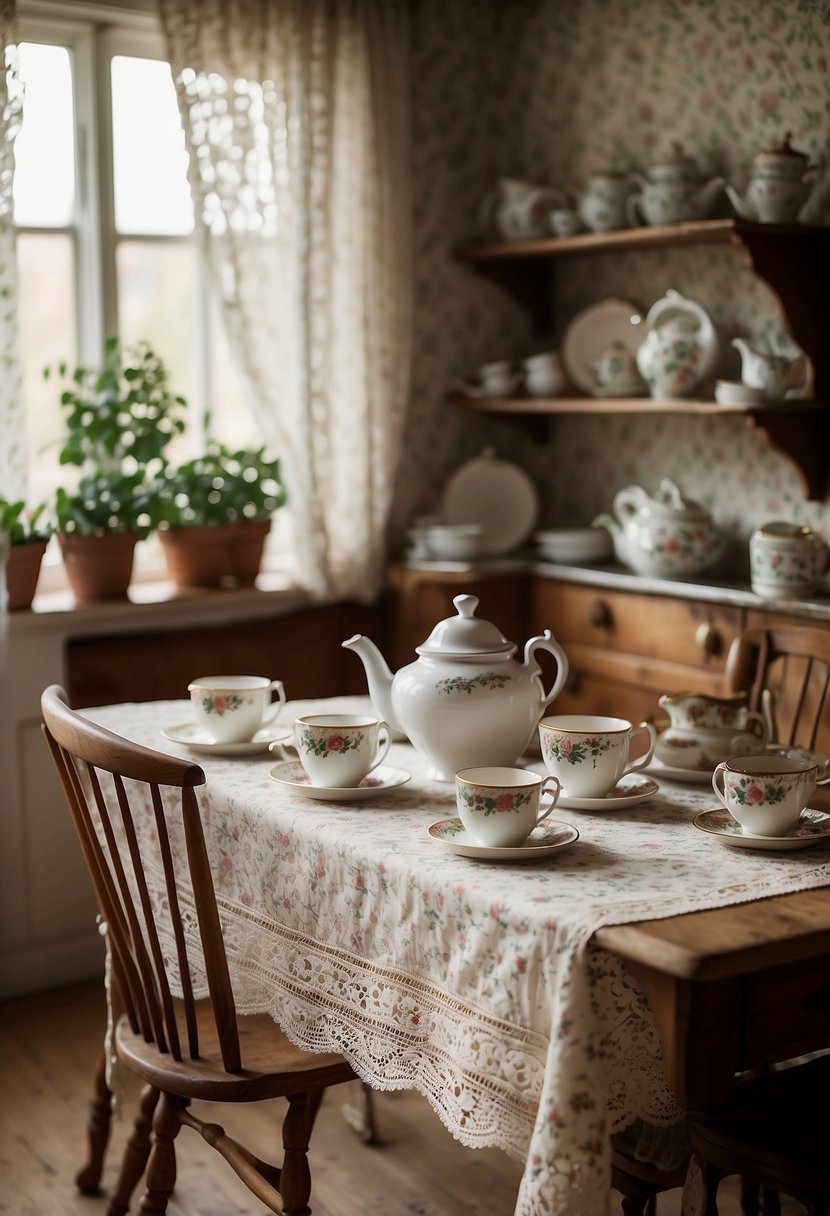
point(786, 561)
point(780, 190)
point(465, 701)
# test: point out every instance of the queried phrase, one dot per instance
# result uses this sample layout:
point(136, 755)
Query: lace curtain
point(12, 414)
point(296, 114)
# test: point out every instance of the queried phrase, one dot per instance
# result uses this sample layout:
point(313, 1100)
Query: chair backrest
point(786, 670)
point(137, 817)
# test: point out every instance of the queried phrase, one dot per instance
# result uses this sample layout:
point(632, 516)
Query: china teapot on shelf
point(680, 348)
point(519, 210)
point(674, 190)
point(779, 376)
point(780, 189)
point(664, 534)
point(465, 701)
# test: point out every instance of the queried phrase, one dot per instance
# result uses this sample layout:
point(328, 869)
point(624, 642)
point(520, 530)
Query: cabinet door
point(625, 648)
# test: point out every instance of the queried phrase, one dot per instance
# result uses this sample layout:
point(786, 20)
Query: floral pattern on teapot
point(487, 679)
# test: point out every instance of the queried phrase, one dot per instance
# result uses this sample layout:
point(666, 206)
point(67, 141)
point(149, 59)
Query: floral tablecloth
point(474, 983)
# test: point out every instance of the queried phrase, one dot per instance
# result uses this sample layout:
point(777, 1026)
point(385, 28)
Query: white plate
point(591, 332)
point(292, 776)
point(496, 494)
point(629, 791)
point(811, 827)
point(695, 776)
point(199, 740)
point(546, 838)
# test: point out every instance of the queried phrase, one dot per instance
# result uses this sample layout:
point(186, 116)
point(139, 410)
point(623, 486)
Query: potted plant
point(216, 515)
point(119, 422)
point(28, 534)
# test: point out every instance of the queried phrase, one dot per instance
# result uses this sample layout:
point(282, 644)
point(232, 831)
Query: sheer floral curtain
point(296, 118)
point(12, 415)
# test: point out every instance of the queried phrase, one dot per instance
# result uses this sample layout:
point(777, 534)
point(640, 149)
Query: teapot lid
point(465, 635)
point(784, 148)
point(669, 500)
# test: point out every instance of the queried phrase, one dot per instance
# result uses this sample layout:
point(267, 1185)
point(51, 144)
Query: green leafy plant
point(24, 525)
point(221, 487)
point(120, 420)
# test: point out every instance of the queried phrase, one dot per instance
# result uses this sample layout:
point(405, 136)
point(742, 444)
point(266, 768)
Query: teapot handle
point(547, 642)
point(628, 501)
point(632, 209)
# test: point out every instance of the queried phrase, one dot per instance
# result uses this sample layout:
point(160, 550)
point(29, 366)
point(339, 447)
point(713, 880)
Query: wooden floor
point(48, 1048)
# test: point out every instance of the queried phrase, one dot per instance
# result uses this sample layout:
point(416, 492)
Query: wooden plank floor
point(49, 1044)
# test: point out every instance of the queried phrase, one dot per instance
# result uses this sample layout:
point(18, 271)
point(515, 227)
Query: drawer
point(786, 1012)
point(679, 632)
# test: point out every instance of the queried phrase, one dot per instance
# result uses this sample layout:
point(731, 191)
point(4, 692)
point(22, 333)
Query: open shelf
point(792, 259)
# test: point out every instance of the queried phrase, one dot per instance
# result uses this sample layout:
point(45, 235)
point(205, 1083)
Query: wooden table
point(733, 988)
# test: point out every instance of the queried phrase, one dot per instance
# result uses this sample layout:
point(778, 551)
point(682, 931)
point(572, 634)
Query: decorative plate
point(496, 494)
point(812, 827)
point(591, 332)
point(546, 838)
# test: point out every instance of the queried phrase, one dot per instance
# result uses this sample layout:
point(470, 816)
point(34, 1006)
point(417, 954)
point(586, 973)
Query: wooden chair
point(640, 1183)
point(774, 1130)
point(185, 1049)
point(786, 670)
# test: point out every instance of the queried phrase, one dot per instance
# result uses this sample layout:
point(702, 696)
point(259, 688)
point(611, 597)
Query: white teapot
point(680, 348)
point(662, 535)
point(465, 701)
point(673, 191)
point(519, 210)
point(779, 189)
point(778, 375)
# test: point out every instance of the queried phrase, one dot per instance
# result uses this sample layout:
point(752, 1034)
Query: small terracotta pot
point(22, 573)
point(228, 554)
point(98, 567)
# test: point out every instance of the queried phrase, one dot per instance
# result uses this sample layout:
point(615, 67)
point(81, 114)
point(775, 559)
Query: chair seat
point(774, 1128)
point(274, 1066)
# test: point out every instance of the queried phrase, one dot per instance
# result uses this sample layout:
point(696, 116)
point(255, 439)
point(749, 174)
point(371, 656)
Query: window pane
point(44, 178)
point(156, 294)
point(150, 162)
point(46, 310)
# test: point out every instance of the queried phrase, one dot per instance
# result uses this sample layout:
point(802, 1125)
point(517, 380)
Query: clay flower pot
point(223, 555)
point(98, 567)
point(22, 573)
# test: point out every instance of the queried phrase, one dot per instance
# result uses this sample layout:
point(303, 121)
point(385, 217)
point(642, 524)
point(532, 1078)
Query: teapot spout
point(379, 677)
point(743, 208)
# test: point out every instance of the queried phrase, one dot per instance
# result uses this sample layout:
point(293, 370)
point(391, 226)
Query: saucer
point(811, 827)
point(293, 776)
point(695, 776)
point(628, 791)
point(547, 837)
point(199, 740)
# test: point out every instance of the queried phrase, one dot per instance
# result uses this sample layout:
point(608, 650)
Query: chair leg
point(771, 1201)
point(711, 1181)
point(161, 1166)
point(295, 1179)
point(88, 1178)
point(136, 1152)
point(750, 1198)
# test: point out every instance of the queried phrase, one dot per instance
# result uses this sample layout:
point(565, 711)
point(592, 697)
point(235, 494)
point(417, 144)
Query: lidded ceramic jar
point(786, 561)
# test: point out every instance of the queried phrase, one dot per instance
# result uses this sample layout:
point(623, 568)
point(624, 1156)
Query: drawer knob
point(708, 638)
point(599, 614)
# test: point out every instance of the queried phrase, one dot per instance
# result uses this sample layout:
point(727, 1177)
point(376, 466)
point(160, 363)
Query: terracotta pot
point(22, 573)
point(229, 554)
point(98, 567)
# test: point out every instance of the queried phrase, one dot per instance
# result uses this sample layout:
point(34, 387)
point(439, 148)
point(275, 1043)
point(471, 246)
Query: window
point(104, 228)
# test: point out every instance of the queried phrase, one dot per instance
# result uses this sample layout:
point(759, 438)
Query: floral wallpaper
point(550, 91)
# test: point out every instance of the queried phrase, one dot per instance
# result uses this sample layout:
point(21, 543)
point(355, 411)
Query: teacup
point(765, 794)
point(498, 379)
point(339, 750)
point(500, 807)
point(589, 753)
point(231, 709)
